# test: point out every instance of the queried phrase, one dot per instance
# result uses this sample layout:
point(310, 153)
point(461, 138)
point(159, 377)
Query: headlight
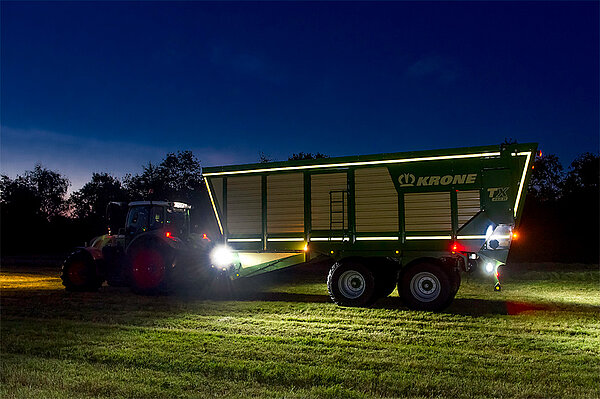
point(221, 256)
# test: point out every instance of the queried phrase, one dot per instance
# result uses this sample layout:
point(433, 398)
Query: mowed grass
point(281, 337)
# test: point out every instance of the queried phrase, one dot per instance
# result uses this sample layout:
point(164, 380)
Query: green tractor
point(157, 250)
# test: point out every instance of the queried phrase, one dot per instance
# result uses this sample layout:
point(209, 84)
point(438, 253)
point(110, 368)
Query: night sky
point(109, 86)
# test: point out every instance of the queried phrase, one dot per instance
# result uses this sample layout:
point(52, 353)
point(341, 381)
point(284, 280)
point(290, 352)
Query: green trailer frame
point(461, 203)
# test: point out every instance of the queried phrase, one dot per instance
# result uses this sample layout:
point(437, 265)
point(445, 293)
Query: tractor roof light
point(181, 205)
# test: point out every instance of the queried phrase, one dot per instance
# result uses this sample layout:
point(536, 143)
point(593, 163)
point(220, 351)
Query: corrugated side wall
point(321, 185)
point(244, 205)
point(468, 205)
point(217, 192)
point(285, 203)
point(376, 201)
point(427, 212)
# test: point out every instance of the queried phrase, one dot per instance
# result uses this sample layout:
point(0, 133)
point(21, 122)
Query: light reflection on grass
point(19, 282)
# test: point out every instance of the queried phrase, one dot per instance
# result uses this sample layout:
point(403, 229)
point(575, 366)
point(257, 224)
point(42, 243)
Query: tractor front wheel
point(78, 273)
point(150, 270)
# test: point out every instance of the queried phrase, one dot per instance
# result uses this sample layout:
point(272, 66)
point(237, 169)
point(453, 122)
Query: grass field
point(281, 337)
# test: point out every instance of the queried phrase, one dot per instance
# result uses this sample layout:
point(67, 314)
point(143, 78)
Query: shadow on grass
point(482, 307)
point(21, 298)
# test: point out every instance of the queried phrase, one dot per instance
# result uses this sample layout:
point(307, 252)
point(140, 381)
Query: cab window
point(137, 222)
point(156, 217)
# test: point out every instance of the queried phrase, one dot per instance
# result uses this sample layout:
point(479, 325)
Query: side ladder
point(338, 205)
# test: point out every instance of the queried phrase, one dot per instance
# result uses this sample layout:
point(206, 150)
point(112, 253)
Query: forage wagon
point(414, 220)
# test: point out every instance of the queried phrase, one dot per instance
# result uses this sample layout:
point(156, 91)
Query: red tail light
point(205, 237)
point(454, 247)
point(168, 234)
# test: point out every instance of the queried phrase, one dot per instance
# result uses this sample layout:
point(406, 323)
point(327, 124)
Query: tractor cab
point(171, 217)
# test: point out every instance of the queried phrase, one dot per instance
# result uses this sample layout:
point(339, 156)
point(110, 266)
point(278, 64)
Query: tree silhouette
point(546, 179)
point(306, 155)
point(584, 175)
point(177, 178)
point(40, 191)
point(264, 158)
point(92, 199)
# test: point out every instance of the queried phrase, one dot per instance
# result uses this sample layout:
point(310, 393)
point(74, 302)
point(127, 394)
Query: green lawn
point(282, 337)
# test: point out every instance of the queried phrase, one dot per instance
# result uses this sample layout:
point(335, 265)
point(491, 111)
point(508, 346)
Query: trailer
point(414, 220)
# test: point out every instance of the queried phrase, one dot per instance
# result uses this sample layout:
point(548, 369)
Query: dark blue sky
point(108, 86)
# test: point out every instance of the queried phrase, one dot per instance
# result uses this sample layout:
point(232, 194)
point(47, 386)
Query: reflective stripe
point(286, 239)
point(376, 238)
point(212, 201)
point(329, 239)
point(429, 238)
point(244, 240)
point(522, 178)
point(358, 163)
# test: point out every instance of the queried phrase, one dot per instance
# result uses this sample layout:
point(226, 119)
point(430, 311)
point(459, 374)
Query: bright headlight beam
point(221, 256)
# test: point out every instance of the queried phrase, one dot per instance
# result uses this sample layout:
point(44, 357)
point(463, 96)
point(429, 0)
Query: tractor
point(157, 250)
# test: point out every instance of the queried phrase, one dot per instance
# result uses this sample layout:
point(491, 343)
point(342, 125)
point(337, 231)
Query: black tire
point(79, 274)
point(351, 283)
point(455, 280)
point(425, 286)
point(150, 269)
point(386, 280)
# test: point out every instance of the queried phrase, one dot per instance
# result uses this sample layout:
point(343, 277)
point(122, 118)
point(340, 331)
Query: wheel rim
point(76, 273)
point(352, 284)
point(425, 286)
point(148, 269)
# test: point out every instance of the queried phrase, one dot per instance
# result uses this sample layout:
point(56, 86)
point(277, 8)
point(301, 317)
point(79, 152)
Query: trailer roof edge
point(372, 159)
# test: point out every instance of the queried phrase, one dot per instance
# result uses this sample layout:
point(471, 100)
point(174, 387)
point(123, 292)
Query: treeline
point(560, 222)
point(561, 219)
point(38, 215)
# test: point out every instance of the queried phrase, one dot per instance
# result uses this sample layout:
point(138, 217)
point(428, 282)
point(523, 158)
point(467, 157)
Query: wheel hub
point(425, 286)
point(351, 284)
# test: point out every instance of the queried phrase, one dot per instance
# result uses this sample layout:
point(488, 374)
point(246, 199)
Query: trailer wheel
point(78, 273)
point(425, 286)
point(150, 270)
point(351, 283)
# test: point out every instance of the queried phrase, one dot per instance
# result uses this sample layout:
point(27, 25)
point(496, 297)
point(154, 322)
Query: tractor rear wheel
point(150, 270)
point(351, 283)
point(78, 273)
